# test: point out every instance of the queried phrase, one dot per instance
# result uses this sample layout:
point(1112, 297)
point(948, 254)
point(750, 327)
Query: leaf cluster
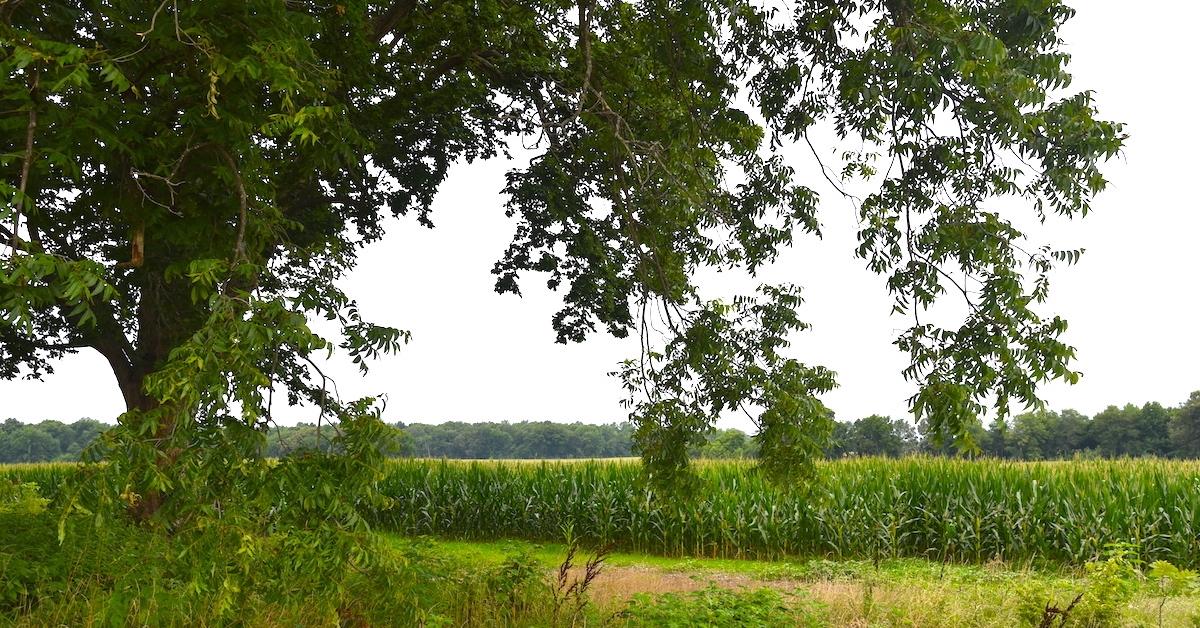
point(184, 183)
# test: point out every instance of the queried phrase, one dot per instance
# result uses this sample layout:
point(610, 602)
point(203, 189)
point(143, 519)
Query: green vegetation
point(117, 575)
point(1151, 430)
point(541, 439)
point(184, 183)
point(1113, 591)
point(938, 508)
point(1129, 431)
point(47, 441)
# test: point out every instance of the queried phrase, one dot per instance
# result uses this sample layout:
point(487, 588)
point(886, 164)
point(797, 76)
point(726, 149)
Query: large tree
point(183, 181)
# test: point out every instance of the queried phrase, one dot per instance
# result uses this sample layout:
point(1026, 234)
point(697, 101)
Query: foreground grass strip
point(897, 593)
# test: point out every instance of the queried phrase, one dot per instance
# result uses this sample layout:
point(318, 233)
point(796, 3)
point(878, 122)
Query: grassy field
point(893, 593)
point(940, 509)
point(956, 511)
point(878, 543)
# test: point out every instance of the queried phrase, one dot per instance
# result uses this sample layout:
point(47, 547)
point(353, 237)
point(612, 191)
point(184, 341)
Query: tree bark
point(162, 324)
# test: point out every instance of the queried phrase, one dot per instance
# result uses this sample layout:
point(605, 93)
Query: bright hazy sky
point(476, 355)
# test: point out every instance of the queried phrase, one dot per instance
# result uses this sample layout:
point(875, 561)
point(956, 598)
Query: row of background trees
point(1151, 430)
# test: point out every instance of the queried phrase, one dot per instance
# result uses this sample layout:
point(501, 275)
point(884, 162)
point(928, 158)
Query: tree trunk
point(131, 375)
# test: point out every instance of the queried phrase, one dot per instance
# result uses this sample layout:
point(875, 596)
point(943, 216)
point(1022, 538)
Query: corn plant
point(942, 509)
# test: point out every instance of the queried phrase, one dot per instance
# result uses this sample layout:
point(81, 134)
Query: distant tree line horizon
point(1149, 430)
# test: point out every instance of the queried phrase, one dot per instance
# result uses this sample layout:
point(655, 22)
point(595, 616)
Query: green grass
point(549, 555)
point(894, 593)
point(944, 510)
point(939, 509)
point(514, 584)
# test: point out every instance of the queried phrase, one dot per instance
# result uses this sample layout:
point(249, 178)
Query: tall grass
point(952, 510)
point(47, 475)
point(942, 509)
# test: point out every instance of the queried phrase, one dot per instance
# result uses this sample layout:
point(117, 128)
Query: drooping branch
point(239, 247)
point(481, 58)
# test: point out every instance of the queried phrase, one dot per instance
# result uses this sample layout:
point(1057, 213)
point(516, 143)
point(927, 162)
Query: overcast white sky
point(476, 355)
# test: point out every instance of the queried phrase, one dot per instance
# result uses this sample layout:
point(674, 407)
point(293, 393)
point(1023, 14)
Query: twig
point(908, 241)
point(171, 185)
point(153, 19)
point(243, 197)
point(825, 171)
point(325, 381)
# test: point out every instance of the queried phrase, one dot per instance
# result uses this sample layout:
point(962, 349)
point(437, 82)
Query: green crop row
point(943, 509)
point(47, 475)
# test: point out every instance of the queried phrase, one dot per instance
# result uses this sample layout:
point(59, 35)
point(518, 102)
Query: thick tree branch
point(449, 64)
point(60, 346)
point(28, 160)
point(128, 379)
point(107, 339)
point(321, 199)
point(387, 21)
point(481, 58)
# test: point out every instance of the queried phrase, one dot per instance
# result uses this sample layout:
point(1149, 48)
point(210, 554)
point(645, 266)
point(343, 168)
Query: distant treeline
point(526, 439)
point(1151, 430)
point(56, 441)
point(47, 441)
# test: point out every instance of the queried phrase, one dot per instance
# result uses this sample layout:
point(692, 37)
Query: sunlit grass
point(893, 593)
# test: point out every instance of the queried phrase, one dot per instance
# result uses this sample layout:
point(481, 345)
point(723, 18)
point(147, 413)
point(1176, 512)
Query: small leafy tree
point(182, 183)
point(1172, 580)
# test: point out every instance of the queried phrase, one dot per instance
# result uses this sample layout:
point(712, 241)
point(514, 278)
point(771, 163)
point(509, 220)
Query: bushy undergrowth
point(37, 568)
point(120, 575)
point(717, 607)
point(28, 555)
point(116, 576)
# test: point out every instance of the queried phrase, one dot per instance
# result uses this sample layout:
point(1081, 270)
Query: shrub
point(716, 607)
point(31, 560)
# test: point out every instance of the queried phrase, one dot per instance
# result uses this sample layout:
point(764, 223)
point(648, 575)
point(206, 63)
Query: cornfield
point(942, 509)
point(47, 475)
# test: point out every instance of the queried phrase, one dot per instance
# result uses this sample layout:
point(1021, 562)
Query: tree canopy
point(183, 181)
